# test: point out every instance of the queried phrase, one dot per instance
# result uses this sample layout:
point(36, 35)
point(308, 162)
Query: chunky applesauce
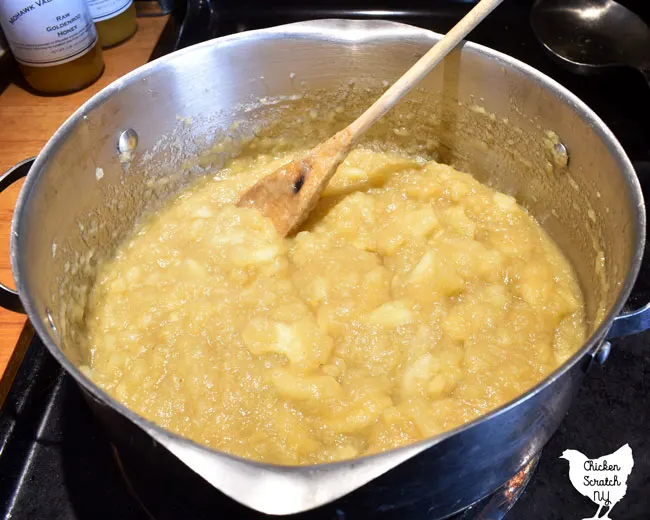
point(414, 300)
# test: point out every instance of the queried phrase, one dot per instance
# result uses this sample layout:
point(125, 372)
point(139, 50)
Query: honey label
point(106, 9)
point(43, 33)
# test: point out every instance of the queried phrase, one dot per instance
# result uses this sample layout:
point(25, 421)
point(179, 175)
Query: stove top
point(56, 462)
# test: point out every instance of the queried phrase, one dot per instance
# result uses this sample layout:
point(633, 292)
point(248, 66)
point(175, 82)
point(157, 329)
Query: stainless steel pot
point(186, 113)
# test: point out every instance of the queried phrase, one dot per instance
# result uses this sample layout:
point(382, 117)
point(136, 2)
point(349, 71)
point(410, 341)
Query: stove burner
point(497, 505)
point(147, 490)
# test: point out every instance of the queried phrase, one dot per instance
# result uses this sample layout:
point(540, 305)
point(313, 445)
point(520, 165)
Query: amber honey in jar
point(114, 19)
point(54, 42)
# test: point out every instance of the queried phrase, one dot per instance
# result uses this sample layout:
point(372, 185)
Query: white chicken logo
point(603, 480)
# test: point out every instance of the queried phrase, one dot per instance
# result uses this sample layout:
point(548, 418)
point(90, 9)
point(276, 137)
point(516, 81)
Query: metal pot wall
point(154, 130)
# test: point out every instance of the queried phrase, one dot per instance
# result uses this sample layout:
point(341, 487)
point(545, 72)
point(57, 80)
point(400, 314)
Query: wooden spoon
point(288, 195)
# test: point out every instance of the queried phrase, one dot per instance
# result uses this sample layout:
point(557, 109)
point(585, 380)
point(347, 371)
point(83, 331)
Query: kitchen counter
point(26, 123)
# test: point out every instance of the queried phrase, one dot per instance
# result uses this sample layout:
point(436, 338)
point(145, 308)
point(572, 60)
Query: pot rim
point(336, 31)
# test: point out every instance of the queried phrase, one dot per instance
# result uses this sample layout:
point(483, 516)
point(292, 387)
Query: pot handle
point(630, 323)
point(9, 298)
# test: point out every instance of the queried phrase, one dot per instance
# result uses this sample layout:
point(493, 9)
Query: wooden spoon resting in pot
point(288, 195)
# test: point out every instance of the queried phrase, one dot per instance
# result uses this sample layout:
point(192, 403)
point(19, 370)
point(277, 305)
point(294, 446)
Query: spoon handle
point(422, 67)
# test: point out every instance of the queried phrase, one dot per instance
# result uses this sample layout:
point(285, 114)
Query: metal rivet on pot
point(560, 154)
point(127, 142)
point(603, 351)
